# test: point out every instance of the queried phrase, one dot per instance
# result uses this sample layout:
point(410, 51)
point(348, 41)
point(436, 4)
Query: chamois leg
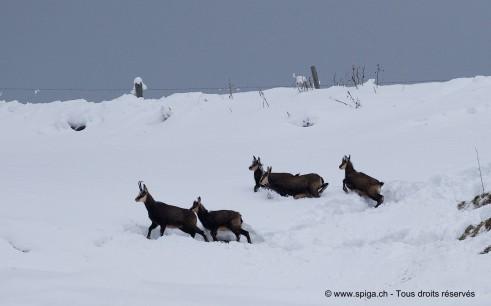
point(246, 233)
point(234, 229)
point(151, 228)
point(237, 235)
point(281, 193)
point(256, 188)
point(214, 234)
point(162, 230)
point(192, 232)
point(344, 185)
point(187, 230)
point(195, 230)
point(379, 198)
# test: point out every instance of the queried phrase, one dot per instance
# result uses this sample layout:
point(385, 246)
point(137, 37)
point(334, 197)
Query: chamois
point(361, 183)
point(257, 167)
point(220, 219)
point(167, 215)
point(299, 186)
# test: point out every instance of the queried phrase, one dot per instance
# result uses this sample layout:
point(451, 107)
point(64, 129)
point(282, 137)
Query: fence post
point(138, 83)
point(317, 84)
point(377, 74)
point(230, 89)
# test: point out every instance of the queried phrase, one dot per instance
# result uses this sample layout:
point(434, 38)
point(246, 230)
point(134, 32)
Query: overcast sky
point(186, 44)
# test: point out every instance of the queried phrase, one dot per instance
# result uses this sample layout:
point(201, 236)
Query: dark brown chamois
point(307, 185)
point(220, 219)
point(167, 215)
point(257, 167)
point(361, 183)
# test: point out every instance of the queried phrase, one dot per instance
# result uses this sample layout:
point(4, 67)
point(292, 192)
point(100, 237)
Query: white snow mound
point(70, 231)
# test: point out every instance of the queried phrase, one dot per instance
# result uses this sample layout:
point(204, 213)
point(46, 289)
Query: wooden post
point(139, 90)
point(377, 73)
point(138, 83)
point(230, 89)
point(317, 84)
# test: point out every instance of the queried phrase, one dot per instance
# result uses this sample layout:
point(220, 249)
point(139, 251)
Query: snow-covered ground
point(71, 233)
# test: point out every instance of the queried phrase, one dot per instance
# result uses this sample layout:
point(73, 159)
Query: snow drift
point(70, 231)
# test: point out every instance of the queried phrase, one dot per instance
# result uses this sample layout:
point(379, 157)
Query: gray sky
point(182, 44)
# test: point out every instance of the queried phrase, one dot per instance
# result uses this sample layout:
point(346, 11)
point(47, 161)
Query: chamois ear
point(145, 188)
point(199, 200)
point(269, 169)
point(253, 157)
point(258, 158)
point(349, 157)
point(140, 185)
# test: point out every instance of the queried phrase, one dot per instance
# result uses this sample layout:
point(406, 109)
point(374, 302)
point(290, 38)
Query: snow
point(299, 79)
point(138, 80)
point(70, 231)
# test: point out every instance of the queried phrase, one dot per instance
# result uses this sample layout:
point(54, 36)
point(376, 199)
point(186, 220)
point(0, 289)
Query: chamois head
point(345, 161)
point(264, 181)
point(196, 205)
point(256, 163)
point(142, 195)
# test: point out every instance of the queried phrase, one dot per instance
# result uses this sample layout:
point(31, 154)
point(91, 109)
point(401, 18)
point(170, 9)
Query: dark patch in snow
point(166, 112)
point(485, 226)
point(77, 126)
point(17, 248)
point(303, 120)
point(486, 250)
point(307, 122)
point(102, 241)
point(474, 230)
point(478, 201)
